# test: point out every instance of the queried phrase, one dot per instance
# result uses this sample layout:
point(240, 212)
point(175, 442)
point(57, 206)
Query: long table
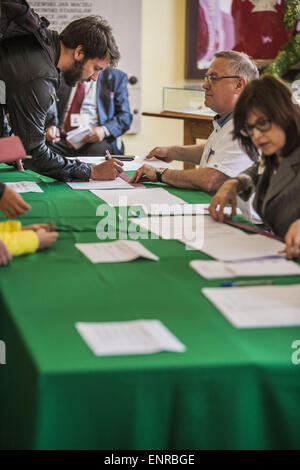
point(231, 389)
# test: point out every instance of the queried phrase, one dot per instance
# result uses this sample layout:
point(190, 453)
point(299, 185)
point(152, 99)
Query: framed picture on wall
point(252, 26)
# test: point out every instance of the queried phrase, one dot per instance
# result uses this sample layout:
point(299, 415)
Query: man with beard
point(84, 48)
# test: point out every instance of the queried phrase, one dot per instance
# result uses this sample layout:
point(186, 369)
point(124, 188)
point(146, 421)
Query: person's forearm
point(187, 153)
point(205, 179)
point(48, 163)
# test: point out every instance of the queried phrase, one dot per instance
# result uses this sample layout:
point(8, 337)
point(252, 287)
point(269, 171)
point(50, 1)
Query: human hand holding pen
point(109, 170)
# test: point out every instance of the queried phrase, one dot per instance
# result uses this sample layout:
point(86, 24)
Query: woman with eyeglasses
point(267, 122)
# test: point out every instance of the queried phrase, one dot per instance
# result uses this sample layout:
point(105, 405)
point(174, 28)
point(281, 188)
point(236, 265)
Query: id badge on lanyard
point(79, 120)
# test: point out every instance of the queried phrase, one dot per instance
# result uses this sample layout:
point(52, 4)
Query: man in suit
point(103, 106)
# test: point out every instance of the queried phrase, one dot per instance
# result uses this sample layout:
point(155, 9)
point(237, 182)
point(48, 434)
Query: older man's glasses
point(211, 79)
point(263, 125)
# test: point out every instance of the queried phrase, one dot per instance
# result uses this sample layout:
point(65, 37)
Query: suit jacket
point(112, 105)
point(279, 204)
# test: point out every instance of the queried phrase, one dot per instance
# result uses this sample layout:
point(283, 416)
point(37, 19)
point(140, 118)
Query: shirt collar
point(221, 121)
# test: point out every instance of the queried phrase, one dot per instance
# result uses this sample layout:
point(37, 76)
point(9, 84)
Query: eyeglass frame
point(245, 133)
point(211, 79)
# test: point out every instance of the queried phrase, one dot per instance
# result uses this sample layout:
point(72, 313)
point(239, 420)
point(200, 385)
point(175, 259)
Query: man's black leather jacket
point(31, 83)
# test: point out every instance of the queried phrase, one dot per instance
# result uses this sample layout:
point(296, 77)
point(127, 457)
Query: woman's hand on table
point(292, 240)
point(227, 195)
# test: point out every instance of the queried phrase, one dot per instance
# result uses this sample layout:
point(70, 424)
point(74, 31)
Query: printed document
point(118, 183)
point(182, 209)
point(128, 337)
point(242, 246)
point(259, 306)
point(137, 197)
point(266, 266)
point(25, 187)
point(192, 230)
point(115, 252)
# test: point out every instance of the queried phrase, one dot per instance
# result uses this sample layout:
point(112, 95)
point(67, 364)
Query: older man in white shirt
point(220, 158)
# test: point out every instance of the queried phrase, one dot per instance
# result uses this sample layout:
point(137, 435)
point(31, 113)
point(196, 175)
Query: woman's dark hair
point(274, 99)
point(95, 36)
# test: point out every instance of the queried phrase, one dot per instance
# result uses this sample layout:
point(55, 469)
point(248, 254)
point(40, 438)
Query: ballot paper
point(129, 337)
point(268, 266)
point(25, 187)
point(192, 230)
point(115, 252)
point(117, 183)
point(181, 209)
point(134, 197)
point(241, 246)
point(259, 306)
point(76, 135)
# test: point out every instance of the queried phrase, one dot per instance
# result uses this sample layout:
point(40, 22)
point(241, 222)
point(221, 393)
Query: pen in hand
point(108, 155)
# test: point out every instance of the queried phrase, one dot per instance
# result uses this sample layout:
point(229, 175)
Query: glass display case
point(185, 100)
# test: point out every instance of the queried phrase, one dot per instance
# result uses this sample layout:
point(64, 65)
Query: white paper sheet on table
point(182, 209)
point(25, 187)
point(131, 337)
point(273, 266)
point(240, 247)
point(132, 165)
point(135, 197)
point(189, 229)
point(259, 306)
point(117, 183)
point(115, 251)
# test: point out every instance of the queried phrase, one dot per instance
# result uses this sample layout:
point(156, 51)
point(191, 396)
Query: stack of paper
point(258, 307)
point(115, 252)
point(25, 187)
point(131, 337)
point(266, 266)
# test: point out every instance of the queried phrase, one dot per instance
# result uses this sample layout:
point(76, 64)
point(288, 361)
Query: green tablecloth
point(231, 389)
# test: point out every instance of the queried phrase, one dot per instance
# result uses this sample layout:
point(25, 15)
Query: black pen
point(118, 157)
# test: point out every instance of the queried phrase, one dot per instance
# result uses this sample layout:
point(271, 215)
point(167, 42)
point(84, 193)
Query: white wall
point(163, 55)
